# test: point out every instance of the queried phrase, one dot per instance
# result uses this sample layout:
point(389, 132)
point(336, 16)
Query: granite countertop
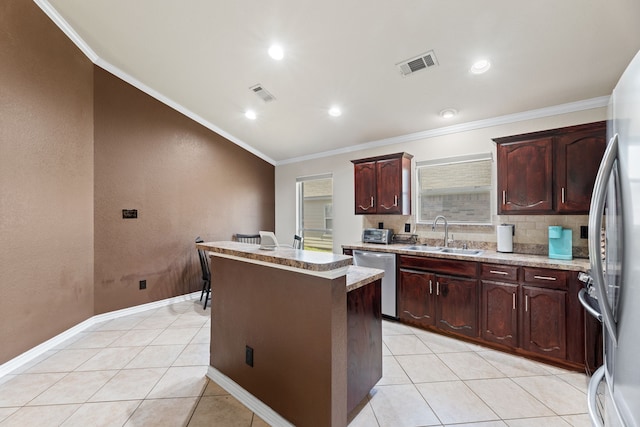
point(296, 258)
point(284, 256)
point(360, 276)
point(541, 261)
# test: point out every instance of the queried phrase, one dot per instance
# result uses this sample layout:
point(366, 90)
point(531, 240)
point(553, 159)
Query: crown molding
point(571, 107)
point(53, 14)
point(555, 110)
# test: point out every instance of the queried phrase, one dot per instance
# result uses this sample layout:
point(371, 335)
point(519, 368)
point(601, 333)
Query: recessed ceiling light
point(335, 112)
point(250, 114)
point(276, 52)
point(448, 113)
point(481, 66)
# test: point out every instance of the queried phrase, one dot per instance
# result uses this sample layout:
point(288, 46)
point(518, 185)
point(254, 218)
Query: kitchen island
point(295, 335)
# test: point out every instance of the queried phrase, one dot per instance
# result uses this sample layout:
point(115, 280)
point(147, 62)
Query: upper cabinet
point(383, 184)
point(525, 176)
point(551, 171)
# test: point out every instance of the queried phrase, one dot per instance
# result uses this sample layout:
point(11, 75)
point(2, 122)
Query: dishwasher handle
point(366, 254)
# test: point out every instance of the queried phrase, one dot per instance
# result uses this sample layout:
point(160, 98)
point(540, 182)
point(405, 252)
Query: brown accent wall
point(184, 180)
point(46, 180)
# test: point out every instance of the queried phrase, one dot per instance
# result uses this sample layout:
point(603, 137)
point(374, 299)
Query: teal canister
point(560, 242)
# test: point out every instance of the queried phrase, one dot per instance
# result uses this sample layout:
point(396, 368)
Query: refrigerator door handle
point(583, 300)
point(592, 397)
point(595, 225)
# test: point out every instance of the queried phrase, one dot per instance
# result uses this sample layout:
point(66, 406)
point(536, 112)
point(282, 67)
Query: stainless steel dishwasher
point(387, 262)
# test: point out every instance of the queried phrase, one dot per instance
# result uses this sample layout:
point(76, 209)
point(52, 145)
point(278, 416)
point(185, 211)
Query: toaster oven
point(377, 235)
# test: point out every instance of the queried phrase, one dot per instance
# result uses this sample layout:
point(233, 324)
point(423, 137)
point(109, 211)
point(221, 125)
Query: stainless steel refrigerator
point(614, 253)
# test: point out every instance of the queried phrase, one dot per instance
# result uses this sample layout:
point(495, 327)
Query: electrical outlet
point(407, 228)
point(248, 356)
point(584, 232)
point(143, 284)
point(129, 213)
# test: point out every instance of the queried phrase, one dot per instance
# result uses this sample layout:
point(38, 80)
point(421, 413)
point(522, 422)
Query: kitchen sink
point(423, 248)
point(441, 250)
point(459, 251)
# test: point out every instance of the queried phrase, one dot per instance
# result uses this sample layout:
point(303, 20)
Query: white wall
point(347, 225)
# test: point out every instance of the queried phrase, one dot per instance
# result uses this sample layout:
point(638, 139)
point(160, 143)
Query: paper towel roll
point(504, 238)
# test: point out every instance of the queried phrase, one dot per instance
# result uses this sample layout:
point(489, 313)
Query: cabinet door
point(544, 325)
point(416, 303)
point(525, 176)
point(499, 313)
point(457, 305)
point(365, 187)
point(578, 157)
point(389, 183)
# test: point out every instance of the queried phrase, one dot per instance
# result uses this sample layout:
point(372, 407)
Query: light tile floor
point(148, 369)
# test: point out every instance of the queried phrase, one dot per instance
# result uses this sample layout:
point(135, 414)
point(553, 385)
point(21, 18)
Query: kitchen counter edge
point(487, 256)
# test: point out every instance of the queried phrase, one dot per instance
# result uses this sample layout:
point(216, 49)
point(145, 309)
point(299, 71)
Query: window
point(315, 212)
point(458, 188)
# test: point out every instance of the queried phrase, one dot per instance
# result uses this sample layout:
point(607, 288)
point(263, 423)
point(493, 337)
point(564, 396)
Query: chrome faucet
point(446, 228)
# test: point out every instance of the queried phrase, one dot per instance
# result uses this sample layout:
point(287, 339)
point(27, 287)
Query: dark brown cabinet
point(525, 176)
point(499, 314)
point(544, 329)
point(530, 313)
point(383, 184)
point(578, 156)
point(499, 304)
point(544, 311)
point(429, 296)
point(457, 307)
point(416, 302)
point(551, 171)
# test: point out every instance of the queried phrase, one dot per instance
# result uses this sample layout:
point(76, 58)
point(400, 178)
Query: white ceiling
point(201, 57)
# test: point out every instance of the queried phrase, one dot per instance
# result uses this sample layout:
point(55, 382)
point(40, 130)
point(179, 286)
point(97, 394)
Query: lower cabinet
point(499, 313)
point(457, 308)
point(426, 298)
point(526, 310)
point(544, 329)
point(416, 297)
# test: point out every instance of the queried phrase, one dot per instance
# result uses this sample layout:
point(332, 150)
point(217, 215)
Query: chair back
point(297, 242)
point(248, 238)
point(204, 262)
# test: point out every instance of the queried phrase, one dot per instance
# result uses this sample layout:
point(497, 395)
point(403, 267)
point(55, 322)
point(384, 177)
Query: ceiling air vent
point(262, 93)
point(421, 62)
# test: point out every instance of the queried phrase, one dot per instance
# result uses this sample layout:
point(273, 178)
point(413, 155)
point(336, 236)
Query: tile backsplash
point(531, 231)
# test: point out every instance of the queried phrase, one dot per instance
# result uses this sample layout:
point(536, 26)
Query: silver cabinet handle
point(513, 298)
point(563, 195)
point(526, 303)
point(395, 203)
point(595, 225)
point(553, 279)
point(504, 273)
point(368, 207)
point(437, 288)
point(430, 287)
point(504, 197)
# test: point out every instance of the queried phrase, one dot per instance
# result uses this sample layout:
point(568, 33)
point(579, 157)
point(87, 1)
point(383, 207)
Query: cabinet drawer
point(546, 278)
point(499, 272)
point(439, 265)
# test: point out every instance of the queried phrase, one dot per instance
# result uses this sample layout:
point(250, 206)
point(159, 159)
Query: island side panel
point(364, 335)
point(296, 325)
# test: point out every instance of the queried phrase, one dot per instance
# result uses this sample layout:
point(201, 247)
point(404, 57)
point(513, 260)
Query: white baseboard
point(247, 399)
point(52, 343)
